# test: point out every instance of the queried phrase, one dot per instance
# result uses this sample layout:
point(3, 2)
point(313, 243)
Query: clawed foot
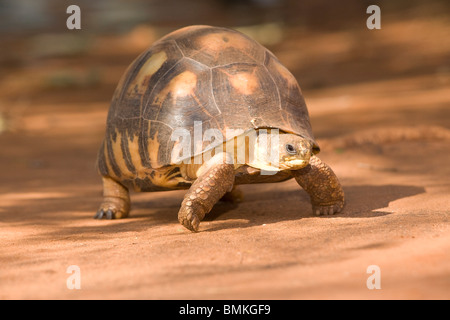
point(328, 210)
point(116, 209)
point(188, 218)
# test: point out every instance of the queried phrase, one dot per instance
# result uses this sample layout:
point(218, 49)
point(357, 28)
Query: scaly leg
point(116, 200)
point(214, 180)
point(322, 185)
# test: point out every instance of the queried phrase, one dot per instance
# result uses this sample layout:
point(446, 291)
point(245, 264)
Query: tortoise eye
point(290, 149)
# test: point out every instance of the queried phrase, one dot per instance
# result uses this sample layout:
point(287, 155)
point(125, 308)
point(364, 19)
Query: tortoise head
point(294, 151)
point(281, 151)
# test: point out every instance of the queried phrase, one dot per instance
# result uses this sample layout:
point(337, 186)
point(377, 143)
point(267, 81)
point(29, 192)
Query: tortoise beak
point(294, 164)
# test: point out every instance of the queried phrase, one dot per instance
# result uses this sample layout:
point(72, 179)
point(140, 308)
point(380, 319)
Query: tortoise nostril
point(290, 149)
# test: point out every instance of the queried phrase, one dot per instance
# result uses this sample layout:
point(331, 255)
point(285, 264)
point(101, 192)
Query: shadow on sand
point(260, 206)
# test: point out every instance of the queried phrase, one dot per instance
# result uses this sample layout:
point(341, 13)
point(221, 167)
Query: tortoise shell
point(216, 76)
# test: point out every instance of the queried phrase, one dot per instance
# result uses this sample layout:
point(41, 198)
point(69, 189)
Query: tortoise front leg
point(116, 200)
point(322, 185)
point(215, 179)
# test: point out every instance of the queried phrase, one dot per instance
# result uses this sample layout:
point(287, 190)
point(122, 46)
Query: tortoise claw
point(105, 214)
point(190, 220)
point(328, 210)
point(110, 214)
point(194, 223)
point(99, 214)
point(109, 211)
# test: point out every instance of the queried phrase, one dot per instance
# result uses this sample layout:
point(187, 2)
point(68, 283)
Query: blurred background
point(325, 45)
point(379, 102)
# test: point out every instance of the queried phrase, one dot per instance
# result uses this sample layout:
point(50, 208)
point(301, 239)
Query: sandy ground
point(385, 131)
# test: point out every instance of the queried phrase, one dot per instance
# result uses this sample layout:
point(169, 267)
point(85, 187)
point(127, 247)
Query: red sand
point(385, 137)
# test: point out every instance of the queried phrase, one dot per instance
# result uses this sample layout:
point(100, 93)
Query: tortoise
point(202, 78)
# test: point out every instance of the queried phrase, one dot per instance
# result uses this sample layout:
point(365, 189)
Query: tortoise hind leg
point(233, 196)
point(116, 200)
point(322, 185)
